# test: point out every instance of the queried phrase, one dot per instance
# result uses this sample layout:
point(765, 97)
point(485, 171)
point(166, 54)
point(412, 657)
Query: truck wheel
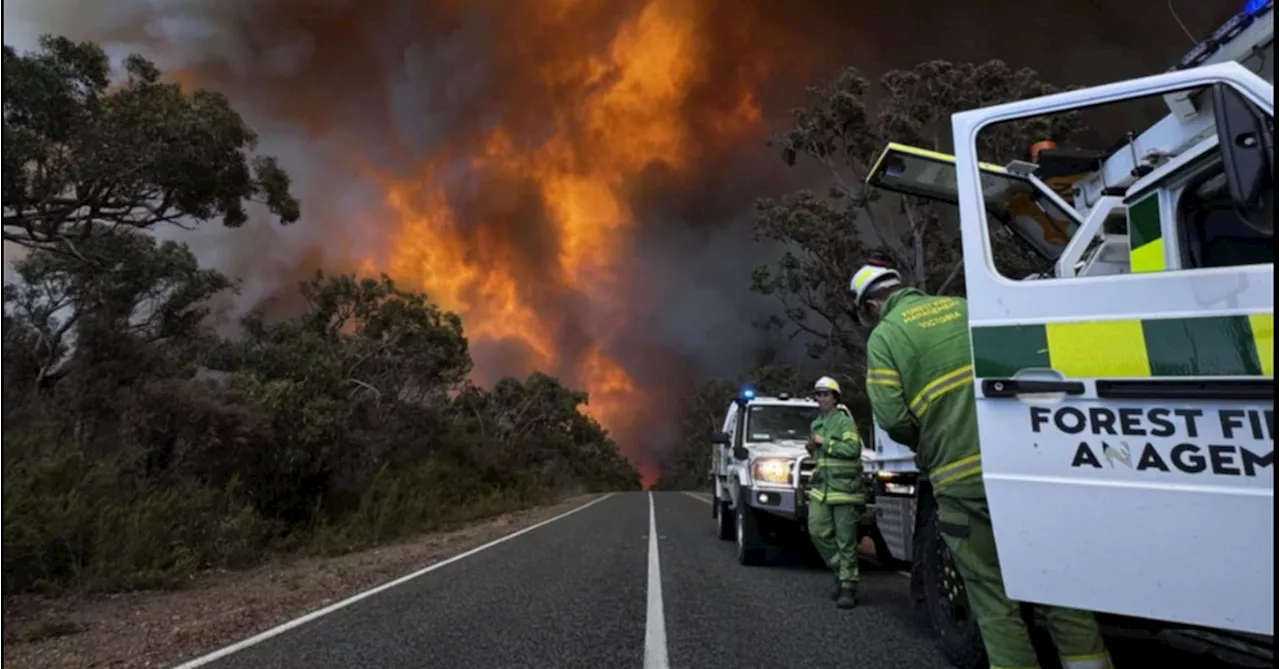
point(723, 516)
point(947, 602)
point(751, 545)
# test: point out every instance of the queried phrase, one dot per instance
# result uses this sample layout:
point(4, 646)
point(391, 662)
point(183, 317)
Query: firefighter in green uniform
point(920, 383)
point(836, 499)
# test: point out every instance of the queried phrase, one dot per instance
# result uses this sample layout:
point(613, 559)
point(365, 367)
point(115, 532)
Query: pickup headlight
point(771, 470)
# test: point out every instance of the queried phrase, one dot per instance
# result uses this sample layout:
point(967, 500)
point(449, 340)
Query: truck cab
point(892, 484)
point(760, 471)
point(1126, 394)
point(1127, 419)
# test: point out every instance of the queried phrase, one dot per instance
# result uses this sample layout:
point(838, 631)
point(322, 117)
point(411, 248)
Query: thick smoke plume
point(573, 176)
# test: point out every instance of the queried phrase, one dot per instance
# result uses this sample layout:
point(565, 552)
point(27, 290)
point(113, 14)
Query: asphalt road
point(575, 592)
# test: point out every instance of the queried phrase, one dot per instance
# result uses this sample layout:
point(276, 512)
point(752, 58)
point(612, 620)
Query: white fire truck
point(1126, 396)
point(760, 472)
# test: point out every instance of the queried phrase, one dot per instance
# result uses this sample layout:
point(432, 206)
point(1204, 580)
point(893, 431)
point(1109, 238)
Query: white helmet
point(827, 383)
point(869, 277)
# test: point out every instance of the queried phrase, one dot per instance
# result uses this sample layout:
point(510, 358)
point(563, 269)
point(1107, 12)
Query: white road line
point(296, 622)
point(655, 626)
point(701, 497)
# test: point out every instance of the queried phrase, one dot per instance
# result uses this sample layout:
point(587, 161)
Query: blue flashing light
point(748, 394)
point(1256, 7)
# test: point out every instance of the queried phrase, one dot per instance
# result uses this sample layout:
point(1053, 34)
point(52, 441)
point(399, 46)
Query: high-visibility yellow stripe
point(1208, 346)
point(1099, 349)
point(1264, 341)
point(1146, 245)
point(879, 376)
point(942, 385)
point(1148, 258)
point(894, 147)
point(864, 275)
point(833, 497)
point(956, 471)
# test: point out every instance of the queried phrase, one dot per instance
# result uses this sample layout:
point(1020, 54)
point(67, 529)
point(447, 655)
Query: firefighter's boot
point(847, 598)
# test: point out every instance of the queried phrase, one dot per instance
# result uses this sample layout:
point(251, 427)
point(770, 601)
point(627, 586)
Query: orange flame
point(538, 262)
point(628, 114)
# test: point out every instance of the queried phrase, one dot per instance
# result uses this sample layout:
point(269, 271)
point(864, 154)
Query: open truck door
point(1128, 422)
point(1028, 207)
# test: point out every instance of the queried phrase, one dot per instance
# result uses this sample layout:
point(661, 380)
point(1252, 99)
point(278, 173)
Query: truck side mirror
point(720, 438)
point(1246, 141)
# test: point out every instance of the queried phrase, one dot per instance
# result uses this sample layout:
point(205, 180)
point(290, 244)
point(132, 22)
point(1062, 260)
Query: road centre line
point(655, 626)
point(306, 618)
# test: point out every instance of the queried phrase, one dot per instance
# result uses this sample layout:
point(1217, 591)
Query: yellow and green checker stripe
point(1164, 347)
point(1146, 245)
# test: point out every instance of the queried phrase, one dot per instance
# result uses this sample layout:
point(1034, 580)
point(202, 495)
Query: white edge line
point(655, 628)
point(700, 498)
point(306, 618)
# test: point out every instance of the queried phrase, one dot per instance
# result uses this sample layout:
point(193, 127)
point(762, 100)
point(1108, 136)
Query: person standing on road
point(836, 499)
point(920, 383)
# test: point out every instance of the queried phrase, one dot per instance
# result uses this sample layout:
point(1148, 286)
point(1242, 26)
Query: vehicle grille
point(807, 466)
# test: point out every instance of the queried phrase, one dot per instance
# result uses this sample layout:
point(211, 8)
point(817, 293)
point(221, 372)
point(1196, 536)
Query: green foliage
point(95, 521)
point(347, 425)
point(434, 495)
point(827, 236)
point(127, 288)
point(85, 157)
point(825, 233)
point(141, 447)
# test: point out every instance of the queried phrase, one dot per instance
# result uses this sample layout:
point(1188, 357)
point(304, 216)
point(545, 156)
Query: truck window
point(1213, 233)
point(777, 422)
point(1156, 153)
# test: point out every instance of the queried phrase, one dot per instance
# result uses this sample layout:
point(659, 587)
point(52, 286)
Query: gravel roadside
point(159, 629)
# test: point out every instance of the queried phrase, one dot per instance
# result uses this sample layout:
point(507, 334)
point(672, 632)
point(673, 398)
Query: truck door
point(1128, 422)
point(1032, 213)
point(720, 454)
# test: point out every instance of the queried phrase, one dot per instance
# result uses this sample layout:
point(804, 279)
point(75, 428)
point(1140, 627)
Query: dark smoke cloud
point(344, 88)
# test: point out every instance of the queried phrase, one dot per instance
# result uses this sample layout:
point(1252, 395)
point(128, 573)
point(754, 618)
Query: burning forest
point(573, 178)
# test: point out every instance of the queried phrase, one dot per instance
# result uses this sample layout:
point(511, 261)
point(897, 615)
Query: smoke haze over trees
point(565, 203)
point(139, 445)
point(585, 214)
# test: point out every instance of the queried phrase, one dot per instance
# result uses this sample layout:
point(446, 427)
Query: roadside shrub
point(71, 521)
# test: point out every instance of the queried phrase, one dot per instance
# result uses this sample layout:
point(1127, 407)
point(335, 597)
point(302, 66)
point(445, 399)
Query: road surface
point(578, 591)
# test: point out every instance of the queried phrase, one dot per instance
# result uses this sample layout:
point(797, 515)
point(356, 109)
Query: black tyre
point(946, 600)
point(725, 521)
point(751, 543)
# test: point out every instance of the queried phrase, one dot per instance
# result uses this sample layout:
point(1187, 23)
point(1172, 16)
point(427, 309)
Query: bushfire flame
point(508, 137)
point(626, 114)
point(527, 156)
